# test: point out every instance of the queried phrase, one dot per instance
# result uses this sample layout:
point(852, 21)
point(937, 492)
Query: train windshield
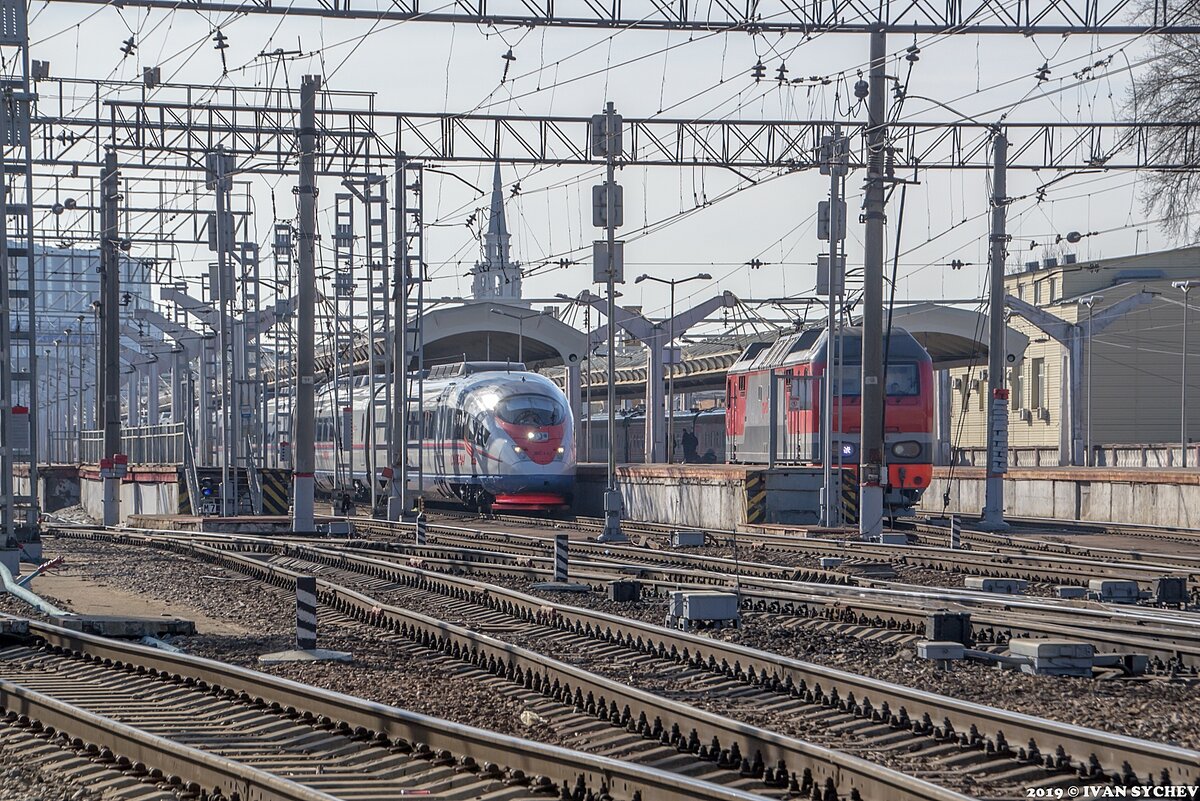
point(530, 410)
point(903, 380)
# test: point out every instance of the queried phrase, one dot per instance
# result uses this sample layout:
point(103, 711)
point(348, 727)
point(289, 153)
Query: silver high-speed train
point(495, 436)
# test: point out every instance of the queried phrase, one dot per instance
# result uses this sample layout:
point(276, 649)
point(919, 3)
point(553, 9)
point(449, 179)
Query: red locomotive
point(800, 363)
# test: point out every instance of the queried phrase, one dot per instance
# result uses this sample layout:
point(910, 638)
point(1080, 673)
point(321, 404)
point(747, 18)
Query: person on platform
point(690, 444)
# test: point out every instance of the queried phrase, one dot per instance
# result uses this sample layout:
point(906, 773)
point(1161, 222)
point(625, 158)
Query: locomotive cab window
point(903, 380)
point(530, 410)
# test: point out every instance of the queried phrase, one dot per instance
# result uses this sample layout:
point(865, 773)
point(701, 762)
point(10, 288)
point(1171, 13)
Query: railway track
point(986, 742)
point(1172, 641)
point(1055, 567)
point(220, 732)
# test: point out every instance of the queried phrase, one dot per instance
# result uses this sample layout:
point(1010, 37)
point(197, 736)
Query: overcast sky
point(439, 67)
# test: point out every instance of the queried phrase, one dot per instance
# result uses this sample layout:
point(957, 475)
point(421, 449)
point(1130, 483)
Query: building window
point(1037, 293)
point(1020, 292)
point(1053, 290)
point(1014, 387)
point(1037, 386)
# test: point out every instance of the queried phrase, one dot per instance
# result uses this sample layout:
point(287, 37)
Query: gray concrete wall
point(690, 497)
point(705, 496)
point(1076, 496)
point(137, 497)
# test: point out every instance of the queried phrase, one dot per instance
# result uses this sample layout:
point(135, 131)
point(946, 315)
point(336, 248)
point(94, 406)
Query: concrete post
point(561, 558)
point(110, 310)
point(655, 400)
point(306, 613)
point(870, 516)
point(305, 454)
point(993, 509)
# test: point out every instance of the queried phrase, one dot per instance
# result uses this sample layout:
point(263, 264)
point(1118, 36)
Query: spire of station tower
point(497, 277)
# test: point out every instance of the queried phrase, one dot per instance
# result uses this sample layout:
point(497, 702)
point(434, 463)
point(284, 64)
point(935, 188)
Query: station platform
point(1140, 496)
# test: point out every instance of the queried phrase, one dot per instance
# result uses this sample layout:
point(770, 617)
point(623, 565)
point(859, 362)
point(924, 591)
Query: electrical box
point(689, 609)
point(687, 539)
point(1170, 590)
point(1114, 591)
point(1004, 586)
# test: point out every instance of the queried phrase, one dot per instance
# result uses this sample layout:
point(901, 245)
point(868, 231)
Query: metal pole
point(79, 399)
point(521, 339)
point(1090, 459)
point(398, 503)
point(110, 310)
point(671, 379)
point(612, 496)
point(772, 418)
point(305, 451)
point(224, 296)
point(870, 516)
point(993, 509)
point(1186, 286)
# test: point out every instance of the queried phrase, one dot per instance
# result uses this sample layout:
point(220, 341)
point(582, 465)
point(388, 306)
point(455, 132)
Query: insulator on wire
point(913, 54)
point(861, 88)
point(129, 47)
point(781, 73)
point(758, 71)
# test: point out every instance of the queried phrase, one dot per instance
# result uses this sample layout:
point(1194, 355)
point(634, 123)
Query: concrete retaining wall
point(146, 491)
point(1094, 495)
point(705, 496)
point(691, 496)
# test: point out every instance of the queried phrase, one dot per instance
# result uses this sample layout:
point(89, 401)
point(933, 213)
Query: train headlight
point(907, 450)
point(562, 450)
point(530, 435)
point(517, 449)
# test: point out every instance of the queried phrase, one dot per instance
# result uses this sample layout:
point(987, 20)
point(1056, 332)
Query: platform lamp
point(1090, 302)
point(1185, 287)
point(671, 282)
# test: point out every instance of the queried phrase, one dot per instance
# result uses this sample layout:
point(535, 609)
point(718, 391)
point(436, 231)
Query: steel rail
point(894, 611)
point(182, 765)
point(373, 721)
point(1065, 570)
point(762, 748)
point(1124, 759)
point(594, 693)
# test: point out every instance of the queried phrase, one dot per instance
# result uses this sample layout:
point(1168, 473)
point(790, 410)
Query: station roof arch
point(955, 337)
point(490, 331)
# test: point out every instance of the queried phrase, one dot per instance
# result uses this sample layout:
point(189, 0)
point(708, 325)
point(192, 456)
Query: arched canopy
point(955, 337)
point(490, 331)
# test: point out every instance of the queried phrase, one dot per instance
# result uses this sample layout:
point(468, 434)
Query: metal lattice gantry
point(749, 16)
point(173, 130)
point(19, 329)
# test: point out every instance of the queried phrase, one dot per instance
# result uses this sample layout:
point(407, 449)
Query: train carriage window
point(742, 385)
